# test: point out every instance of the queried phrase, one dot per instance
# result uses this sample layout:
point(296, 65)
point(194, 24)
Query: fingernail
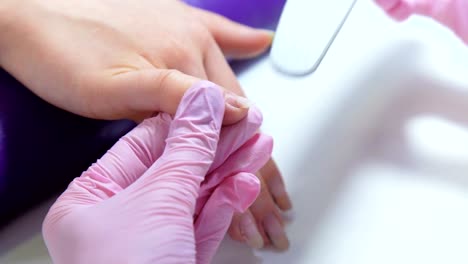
point(276, 232)
point(284, 203)
point(269, 32)
point(237, 101)
point(249, 231)
point(248, 188)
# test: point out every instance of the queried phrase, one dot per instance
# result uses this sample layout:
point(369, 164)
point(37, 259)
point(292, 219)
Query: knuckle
point(164, 79)
point(201, 36)
point(175, 52)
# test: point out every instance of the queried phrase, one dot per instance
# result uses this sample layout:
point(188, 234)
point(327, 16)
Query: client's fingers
point(149, 91)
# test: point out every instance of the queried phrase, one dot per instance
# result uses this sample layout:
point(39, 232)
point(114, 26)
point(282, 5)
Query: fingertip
point(247, 188)
point(236, 40)
point(267, 143)
point(203, 99)
point(255, 116)
point(387, 4)
point(233, 115)
point(400, 13)
point(399, 10)
point(254, 43)
point(284, 202)
point(270, 34)
point(236, 109)
point(276, 232)
point(260, 39)
point(265, 37)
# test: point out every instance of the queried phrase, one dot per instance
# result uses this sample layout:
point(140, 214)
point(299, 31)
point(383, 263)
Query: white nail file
point(306, 30)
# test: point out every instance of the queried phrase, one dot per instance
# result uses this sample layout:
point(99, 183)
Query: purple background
point(2, 158)
point(44, 147)
point(255, 13)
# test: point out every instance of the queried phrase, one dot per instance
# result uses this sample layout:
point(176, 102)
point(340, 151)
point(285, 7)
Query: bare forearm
point(9, 20)
point(5, 24)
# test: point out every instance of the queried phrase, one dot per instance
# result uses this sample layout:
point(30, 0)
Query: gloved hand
point(137, 203)
point(451, 13)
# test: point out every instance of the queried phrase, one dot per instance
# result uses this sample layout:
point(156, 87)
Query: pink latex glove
point(137, 203)
point(451, 13)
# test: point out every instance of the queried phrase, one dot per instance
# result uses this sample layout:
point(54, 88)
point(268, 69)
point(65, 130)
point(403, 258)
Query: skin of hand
point(137, 203)
point(451, 13)
point(111, 59)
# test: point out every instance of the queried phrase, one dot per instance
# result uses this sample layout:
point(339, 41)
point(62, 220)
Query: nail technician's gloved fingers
point(191, 144)
point(235, 194)
point(122, 165)
point(234, 136)
point(95, 221)
point(95, 213)
point(397, 9)
point(235, 40)
point(387, 5)
point(249, 158)
point(134, 153)
point(451, 13)
point(161, 91)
